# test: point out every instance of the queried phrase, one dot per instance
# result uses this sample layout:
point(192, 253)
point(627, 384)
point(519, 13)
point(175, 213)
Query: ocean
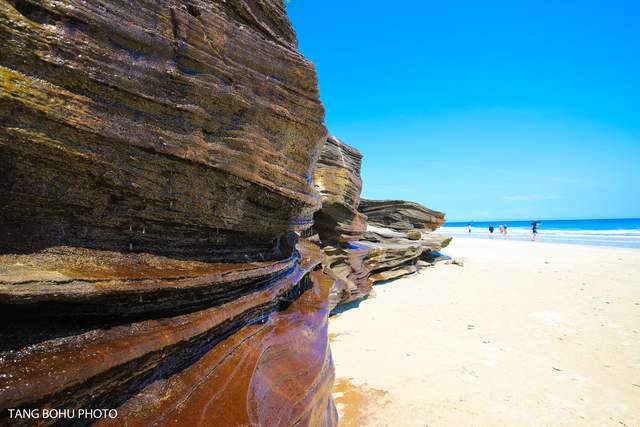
point(600, 232)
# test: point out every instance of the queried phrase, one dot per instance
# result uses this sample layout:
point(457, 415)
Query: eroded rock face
point(337, 178)
point(339, 224)
point(345, 264)
point(394, 254)
point(381, 254)
point(179, 127)
point(400, 215)
point(359, 254)
point(156, 159)
point(225, 359)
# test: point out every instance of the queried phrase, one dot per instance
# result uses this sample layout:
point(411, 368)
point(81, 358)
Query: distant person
point(504, 229)
point(491, 229)
point(534, 230)
point(469, 227)
point(501, 229)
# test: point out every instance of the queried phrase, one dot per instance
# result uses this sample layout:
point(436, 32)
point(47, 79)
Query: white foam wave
point(517, 230)
point(620, 238)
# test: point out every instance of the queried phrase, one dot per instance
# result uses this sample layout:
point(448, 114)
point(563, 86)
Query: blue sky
point(485, 110)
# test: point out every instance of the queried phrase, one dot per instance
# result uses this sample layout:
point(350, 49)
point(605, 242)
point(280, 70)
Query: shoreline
point(590, 241)
point(522, 334)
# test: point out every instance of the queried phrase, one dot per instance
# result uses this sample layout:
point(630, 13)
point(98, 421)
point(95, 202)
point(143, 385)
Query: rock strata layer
point(338, 223)
point(400, 215)
point(337, 178)
point(183, 128)
point(359, 254)
point(156, 161)
point(346, 266)
point(394, 254)
point(257, 356)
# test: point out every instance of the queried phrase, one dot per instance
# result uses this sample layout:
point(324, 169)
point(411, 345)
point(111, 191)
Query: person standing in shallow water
point(491, 229)
point(534, 230)
point(469, 227)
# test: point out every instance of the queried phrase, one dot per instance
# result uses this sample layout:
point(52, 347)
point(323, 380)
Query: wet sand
point(522, 334)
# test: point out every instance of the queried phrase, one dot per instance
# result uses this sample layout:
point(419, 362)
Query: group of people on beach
point(503, 229)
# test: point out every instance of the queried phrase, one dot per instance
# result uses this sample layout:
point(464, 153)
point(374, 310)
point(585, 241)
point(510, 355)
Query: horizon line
point(541, 220)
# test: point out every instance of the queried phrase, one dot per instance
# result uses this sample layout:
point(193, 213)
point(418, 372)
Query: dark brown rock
point(382, 254)
point(400, 215)
point(407, 268)
point(357, 255)
point(338, 222)
point(392, 254)
point(175, 127)
point(224, 362)
point(156, 159)
point(414, 235)
point(346, 266)
point(337, 178)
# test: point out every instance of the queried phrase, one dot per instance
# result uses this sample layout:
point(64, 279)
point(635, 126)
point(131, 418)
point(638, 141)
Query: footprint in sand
point(554, 320)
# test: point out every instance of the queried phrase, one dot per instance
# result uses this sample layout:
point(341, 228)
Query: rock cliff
point(394, 254)
point(178, 127)
point(400, 215)
point(338, 223)
point(238, 344)
point(159, 162)
point(156, 159)
point(359, 253)
point(337, 178)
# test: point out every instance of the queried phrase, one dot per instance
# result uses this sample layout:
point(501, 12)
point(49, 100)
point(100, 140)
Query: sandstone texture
point(346, 266)
point(156, 162)
point(338, 223)
point(257, 354)
point(381, 254)
point(394, 254)
point(179, 127)
point(337, 178)
point(400, 215)
point(361, 251)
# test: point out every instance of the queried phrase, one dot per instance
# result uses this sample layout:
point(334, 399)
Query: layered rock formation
point(394, 254)
point(179, 127)
point(359, 254)
point(401, 234)
point(345, 264)
point(400, 215)
point(231, 344)
point(156, 159)
point(337, 178)
point(338, 223)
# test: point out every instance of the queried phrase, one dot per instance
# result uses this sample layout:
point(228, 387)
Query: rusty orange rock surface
point(261, 357)
point(157, 160)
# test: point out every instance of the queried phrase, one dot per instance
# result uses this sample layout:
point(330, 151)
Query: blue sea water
point(601, 232)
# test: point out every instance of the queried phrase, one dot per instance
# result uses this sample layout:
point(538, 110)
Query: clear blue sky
point(485, 109)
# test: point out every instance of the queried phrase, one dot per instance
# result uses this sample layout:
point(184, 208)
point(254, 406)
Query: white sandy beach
point(523, 334)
